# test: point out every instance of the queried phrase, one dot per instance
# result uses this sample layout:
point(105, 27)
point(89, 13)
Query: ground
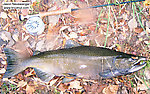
point(124, 28)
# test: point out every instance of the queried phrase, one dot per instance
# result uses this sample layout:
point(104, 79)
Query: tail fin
point(13, 61)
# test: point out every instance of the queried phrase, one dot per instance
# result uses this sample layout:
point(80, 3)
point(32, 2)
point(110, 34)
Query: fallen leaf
point(138, 30)
point(54, 18)
point(30, 73)
point(82, 32)
point(21, 83)
point(2, 71)
point(118, 47)
point(63, 87)
point(147, 42)
point(73, 35)
point(75, 84)
point(3, 15)
point(72, 6)
point(142, 86)
point(4, 62)
point(26, 38)
point(147, 2)
point(111, 89)
point(30, 89)
point(132, 24)
point(84, 16)
point(25, 11)
point(52, 82)
point(21, 48)
point(146, 73)
point(40, 45)
point(4, 37)
point(15, 37)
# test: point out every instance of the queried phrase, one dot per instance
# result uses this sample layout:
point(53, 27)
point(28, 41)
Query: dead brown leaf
point(138, 30)
point(3, 15)
point(30, 89)
point(22, 83)
point(132, 24)
point(20, 47)
point(75, 84)
point(111, 89)
point(63, 87)
point(84, 16)
point(25, 11)
point(30, 73)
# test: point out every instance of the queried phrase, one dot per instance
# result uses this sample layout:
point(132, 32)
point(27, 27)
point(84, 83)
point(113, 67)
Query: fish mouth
point(142, 62)
point(139, 64)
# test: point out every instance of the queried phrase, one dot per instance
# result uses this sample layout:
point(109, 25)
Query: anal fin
point(44, 76)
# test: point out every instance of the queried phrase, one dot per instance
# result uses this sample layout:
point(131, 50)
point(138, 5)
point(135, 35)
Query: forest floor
point(124, 28)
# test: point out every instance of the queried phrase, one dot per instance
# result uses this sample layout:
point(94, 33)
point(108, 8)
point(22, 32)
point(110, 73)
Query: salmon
point(83, 61)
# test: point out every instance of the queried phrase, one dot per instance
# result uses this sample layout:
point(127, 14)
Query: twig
point(107, 26)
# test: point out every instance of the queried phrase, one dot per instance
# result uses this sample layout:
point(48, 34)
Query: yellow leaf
point(147, 2)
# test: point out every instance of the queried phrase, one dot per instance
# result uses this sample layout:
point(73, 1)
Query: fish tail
point(13, 63)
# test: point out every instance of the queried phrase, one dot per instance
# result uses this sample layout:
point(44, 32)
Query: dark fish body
point(82, 61)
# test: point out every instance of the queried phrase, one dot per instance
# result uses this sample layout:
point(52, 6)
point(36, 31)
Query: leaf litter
point(124, 34)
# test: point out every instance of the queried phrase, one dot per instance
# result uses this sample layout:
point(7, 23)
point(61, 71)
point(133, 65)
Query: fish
point(88, 62)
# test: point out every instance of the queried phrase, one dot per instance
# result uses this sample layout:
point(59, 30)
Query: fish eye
point(141, 61)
